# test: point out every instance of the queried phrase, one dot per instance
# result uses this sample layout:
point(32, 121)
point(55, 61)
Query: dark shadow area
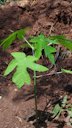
point(64, 17)
point(4, 90)
point(23, 96)
point(43, 118)
point(60, 124)
point(68, 88)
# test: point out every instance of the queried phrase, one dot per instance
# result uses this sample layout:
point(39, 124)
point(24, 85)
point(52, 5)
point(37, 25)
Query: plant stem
point(28, 43)
point(35, 91)
point(35, 94)
point(35, 84)
point(49, 74)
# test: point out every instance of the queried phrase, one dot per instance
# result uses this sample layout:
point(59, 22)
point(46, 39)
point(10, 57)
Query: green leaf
point(38, 51)
point(41, 43)
point(20, 77)
point(51, 58)
point(49, 50)
point(12, 37)
point(22, 62)
point(2, 1)
point(63, 41)
point(8, 41)
point(51, 41)
point(56, 110)
point(40, 38)
point(69, 110)
point(66, 71)
point(20, 33)
point(37, 67)
point(10, 67)
point(64, 101)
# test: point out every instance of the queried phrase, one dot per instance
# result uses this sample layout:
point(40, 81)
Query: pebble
point(22, 3)
point(15, 89)
point(31, 122)
point(0, 97)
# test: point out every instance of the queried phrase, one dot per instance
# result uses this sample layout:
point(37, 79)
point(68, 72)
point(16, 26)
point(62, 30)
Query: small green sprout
point(65, 107)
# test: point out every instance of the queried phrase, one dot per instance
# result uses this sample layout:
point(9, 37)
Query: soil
point(50, 17)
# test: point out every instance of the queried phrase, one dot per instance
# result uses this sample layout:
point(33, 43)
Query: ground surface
point(48, 17)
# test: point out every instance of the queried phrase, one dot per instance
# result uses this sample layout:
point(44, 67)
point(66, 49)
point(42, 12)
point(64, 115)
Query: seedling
point(21, 62)
point(63, 107)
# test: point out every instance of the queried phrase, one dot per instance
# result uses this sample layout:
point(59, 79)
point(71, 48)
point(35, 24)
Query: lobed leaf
point(12, 37)
point(22, 62)
point(21, 77)
point(63, 41)
point(10, 67)
point(41, 43)
point(49, 50)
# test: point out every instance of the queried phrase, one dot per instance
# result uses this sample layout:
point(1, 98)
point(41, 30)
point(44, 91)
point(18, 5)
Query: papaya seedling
point(21, 62)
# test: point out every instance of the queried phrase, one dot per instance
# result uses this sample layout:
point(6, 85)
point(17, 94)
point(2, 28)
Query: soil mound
point(45, 16)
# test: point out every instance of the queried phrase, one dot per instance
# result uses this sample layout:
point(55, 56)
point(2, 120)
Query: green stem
point(35, 91)
point(28, 43)
point(35, 94)
point(35, 84)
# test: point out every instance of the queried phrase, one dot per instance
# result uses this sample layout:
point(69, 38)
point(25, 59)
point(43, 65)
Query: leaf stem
point(28, 43)
point(49, 74)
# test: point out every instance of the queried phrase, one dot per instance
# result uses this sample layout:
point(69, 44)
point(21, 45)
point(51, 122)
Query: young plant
point(63, 107)
point(21, 62)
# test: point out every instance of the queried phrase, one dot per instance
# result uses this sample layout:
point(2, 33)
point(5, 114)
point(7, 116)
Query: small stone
point(22, 3)
point(46, 121)
point(19, 119)
point(12, 3)
point(15, 89)
point(31, 122)
point(0, 97)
